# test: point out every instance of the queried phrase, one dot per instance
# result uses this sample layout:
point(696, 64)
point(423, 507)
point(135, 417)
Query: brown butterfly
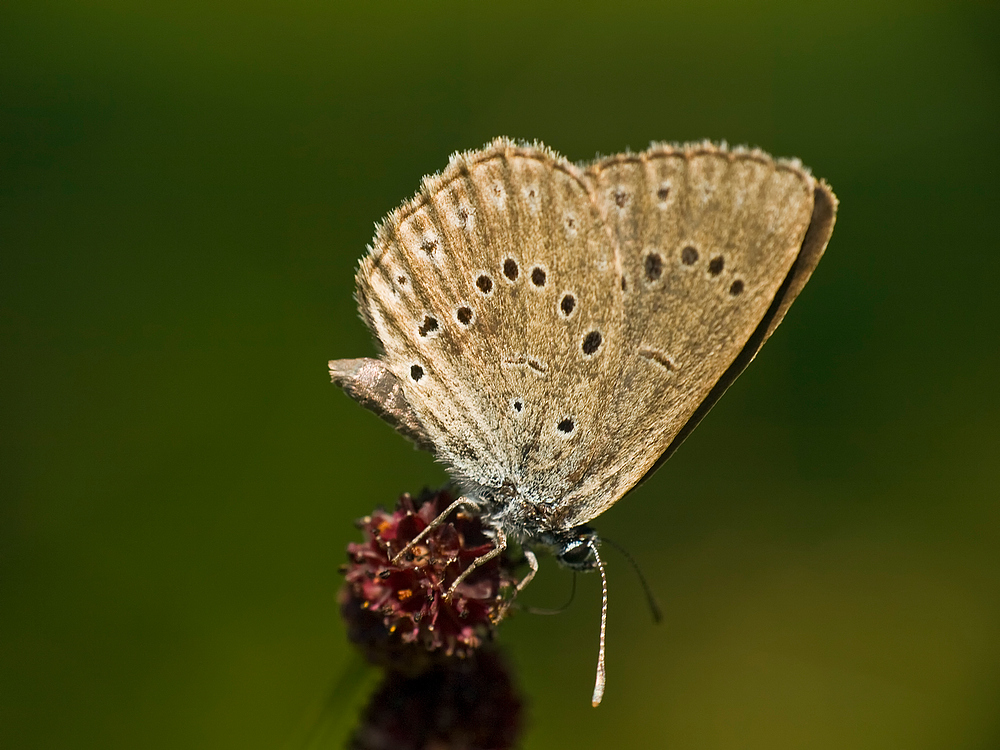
point(553, 332)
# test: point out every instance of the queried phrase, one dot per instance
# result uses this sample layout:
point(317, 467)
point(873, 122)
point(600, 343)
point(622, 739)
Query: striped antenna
point(599, 683)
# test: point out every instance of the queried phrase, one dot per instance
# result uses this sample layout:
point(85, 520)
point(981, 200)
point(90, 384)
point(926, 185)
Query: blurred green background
point(185, 191)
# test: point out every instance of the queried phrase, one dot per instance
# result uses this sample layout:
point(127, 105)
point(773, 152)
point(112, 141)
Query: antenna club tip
point(598, 693)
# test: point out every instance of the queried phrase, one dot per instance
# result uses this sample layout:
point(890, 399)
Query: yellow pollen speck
point(404, 594)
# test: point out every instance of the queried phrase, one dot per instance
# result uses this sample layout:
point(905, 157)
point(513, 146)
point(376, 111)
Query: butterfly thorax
point(534, 524)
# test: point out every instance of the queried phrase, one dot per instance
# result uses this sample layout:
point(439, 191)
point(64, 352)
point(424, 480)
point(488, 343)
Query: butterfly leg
point(430, 527)
point(499, 546)
point(533, 565)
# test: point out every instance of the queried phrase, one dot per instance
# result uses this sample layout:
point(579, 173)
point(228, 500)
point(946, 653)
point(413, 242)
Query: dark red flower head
point(398, 613)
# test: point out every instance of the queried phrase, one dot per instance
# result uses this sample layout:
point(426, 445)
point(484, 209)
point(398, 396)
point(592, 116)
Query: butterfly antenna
point(559, 610)
point(599, 682)
point(654, 606)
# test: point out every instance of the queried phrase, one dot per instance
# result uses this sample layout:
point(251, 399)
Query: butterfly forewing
point(494, 294)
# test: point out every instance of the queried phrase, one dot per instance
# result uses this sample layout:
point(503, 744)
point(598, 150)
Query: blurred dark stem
point(458, 703)
point(324, 724)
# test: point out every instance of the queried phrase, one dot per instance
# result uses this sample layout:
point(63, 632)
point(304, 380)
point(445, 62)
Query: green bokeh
point(185, 190)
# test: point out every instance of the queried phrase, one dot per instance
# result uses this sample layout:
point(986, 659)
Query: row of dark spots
point(538, 278)
point(621, 195)
point(566, 426)
point(464, 315)
point(592, 341)
point(689, 256)
point(511, 271)
point(485, 285)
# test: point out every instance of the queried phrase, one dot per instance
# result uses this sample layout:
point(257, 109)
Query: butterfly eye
point(578, 555)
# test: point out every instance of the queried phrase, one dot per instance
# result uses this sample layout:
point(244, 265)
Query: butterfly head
point(577, 549)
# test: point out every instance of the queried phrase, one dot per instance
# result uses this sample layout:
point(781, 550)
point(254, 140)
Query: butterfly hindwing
point(708, 238)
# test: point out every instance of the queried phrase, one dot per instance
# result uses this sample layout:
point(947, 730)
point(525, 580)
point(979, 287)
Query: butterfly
point(552, 332)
